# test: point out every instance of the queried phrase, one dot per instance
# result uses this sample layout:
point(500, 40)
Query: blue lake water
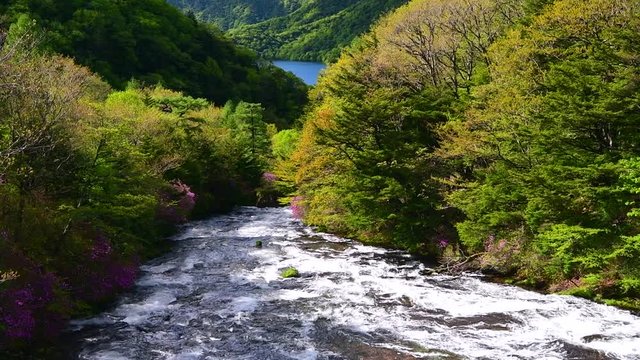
point(307, 71)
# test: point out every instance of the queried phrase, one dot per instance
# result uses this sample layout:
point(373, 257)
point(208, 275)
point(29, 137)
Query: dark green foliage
point(390, 193)
point(228, 14)
point(155, 43)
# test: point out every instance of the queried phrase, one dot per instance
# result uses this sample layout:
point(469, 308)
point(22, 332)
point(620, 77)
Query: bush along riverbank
point(93, 180)
point(486, 135)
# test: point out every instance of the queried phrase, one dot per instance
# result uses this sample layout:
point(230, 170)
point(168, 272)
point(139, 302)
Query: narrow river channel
point(217, 296)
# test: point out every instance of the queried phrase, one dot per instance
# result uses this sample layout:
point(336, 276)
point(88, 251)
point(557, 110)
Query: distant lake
point(307, 71)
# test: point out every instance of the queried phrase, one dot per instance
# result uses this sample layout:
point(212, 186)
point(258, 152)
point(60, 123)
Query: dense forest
point(155, 43)
point(228, 14)
point(312, 30)
point(99, 163)
point(499, 135)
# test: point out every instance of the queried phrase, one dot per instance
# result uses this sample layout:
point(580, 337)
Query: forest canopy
point(308, 30)
point(503, 132)
point(154, 43)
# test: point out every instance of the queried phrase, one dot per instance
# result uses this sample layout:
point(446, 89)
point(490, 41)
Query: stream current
point(217, 296)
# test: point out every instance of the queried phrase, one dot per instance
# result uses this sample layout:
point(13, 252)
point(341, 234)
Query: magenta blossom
point(297, 207)
point(269, 177)
point(101, 249)
point(176, 203)
point(442, 242)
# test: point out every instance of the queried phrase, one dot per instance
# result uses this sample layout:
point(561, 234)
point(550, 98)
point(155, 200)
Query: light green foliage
point(22, 32)
point(567, 248)
point(551, 142)
point(284, 143)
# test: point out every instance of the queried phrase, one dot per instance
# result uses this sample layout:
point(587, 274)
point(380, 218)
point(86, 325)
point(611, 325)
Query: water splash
point(218, 297)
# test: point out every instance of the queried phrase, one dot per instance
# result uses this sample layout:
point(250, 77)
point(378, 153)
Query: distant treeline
point(312, 30)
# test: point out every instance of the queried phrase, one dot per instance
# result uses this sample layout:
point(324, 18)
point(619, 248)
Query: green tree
point(549, 141)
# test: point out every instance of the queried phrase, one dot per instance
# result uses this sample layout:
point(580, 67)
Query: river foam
point(216, 296)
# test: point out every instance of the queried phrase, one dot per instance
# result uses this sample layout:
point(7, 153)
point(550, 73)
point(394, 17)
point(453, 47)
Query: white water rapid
point(217, 296)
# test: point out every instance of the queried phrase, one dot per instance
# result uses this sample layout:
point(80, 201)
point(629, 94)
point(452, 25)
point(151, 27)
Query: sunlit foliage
point(92, 180)
point(513, 121)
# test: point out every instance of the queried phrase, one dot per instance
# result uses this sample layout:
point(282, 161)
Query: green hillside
point(296, 29)
point(153, 42)
point(228, 14)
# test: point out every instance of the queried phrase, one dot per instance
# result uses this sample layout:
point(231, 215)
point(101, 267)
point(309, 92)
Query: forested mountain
point(318, 30)
point(228, 14)
point(153, 42)
point(293, 30)
point(499, 133)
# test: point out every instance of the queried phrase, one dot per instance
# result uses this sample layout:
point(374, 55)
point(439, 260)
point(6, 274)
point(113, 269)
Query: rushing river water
point(217, 296)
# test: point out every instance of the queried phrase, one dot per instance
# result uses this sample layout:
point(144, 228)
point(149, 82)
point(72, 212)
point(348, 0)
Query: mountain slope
point(294, 29)
point(318, 30)
point(228, 14)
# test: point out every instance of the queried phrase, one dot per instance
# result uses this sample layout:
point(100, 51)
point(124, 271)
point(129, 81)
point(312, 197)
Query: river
point(307, 71)
point(217, 296)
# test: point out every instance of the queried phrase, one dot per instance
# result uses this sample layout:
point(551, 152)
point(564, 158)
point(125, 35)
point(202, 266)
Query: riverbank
point(475, 264)
point(218, 295)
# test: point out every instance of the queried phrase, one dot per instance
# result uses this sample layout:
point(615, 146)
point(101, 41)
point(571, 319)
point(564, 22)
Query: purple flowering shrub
point(441, 241)
point(443, 244)
point(102, 272)
point(34, 304)
point(297, 207)
point(501, 253)
point(269, 177)
point(175, 203)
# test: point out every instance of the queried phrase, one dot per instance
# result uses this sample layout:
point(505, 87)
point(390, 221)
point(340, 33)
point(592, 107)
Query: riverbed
point(218, 296)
